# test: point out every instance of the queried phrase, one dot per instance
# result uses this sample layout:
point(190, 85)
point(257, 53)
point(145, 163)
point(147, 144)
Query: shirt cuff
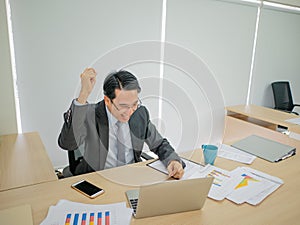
point(78, 103)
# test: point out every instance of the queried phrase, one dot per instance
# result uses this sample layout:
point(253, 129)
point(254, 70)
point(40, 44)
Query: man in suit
point(115, 129)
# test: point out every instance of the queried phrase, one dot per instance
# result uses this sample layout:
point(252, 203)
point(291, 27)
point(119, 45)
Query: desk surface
point(264, 114)
point(23, 161)
point(282, 207)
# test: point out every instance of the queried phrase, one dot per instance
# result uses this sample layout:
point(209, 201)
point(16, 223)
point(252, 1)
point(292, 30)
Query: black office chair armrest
point(146, 156)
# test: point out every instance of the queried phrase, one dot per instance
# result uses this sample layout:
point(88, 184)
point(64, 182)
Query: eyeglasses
point(124, 107)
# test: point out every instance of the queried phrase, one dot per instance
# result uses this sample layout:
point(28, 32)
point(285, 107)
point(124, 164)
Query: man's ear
point(106, 100)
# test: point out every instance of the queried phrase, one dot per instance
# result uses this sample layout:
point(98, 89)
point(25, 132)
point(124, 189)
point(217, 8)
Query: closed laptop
point(265, 148)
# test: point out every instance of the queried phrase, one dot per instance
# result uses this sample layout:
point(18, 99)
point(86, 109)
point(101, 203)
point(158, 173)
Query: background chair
point(283, 96)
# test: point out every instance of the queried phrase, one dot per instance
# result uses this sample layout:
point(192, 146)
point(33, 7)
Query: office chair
point(77, 155)
point(74, 159)
point(283, 96)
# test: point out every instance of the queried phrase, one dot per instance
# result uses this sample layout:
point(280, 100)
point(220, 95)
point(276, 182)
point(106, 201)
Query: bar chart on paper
point(74, 213)
point(97, 218)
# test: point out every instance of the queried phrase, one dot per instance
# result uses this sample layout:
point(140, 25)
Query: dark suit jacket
point(88, 125)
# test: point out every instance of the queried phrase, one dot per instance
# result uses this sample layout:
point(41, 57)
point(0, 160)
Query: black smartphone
point(88, 189)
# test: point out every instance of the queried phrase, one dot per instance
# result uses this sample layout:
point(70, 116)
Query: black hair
point(120, 80)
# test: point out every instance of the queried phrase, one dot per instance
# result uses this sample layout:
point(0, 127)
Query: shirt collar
point(111, 118)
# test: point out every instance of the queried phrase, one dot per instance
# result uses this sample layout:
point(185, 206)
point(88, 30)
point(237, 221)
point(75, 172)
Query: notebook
point(265, 148)
point(169, 197)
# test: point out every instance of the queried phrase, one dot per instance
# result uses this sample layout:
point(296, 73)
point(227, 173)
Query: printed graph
point(245, 181)
point(219, 177)
point(88, 218)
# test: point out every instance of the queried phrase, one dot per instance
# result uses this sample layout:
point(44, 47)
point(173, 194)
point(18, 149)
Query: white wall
point(277, 55)
point(8, 122)
point(220, 36)
point(55, 40)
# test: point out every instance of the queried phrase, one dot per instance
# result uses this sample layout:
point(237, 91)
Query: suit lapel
point(137, 133)
point(103, 132)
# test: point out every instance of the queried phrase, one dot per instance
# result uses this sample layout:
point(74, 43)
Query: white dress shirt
point(111, 160)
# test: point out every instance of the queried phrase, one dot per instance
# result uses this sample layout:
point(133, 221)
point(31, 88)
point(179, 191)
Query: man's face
point(123, 105)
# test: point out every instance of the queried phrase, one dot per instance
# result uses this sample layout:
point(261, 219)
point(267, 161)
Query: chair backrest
point(282, 96)
point(74, 158)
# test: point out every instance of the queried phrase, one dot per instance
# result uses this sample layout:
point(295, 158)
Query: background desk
point(282, 207)
point(23, 161)
point(267, 117)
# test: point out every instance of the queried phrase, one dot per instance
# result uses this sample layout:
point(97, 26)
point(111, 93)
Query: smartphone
point(88, 189)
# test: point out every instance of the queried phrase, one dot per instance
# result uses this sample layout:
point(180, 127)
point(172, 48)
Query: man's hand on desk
point(175, 169)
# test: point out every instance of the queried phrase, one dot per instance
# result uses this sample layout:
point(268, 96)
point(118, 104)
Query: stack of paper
point(67, 212)
point(229, 152)
point(223, 183)
point(240, 185)
point(254, 187)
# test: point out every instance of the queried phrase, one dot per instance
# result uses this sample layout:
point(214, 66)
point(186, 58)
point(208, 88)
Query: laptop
point(169, 197)
point(265, 148)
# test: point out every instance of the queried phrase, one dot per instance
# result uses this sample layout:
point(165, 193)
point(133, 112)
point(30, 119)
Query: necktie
point(120, 144)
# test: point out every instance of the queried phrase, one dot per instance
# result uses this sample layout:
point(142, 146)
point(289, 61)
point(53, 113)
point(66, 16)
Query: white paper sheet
point(191, 167)
point(294, 120)
point(57, 215)
point(240, 185)
point(223, 183)
point(229, 152)
point(254, 187)
point(294, 135)
point(277, 182)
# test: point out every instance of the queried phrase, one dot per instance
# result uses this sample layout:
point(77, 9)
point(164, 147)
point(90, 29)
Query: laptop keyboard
point(134, 203)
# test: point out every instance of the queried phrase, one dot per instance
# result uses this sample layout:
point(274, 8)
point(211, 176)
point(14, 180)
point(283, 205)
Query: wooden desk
point(282, 207)
point(23, 161)
point(295, 128)
point(263, 116)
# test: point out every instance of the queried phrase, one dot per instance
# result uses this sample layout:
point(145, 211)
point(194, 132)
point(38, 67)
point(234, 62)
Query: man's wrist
point(81, 100)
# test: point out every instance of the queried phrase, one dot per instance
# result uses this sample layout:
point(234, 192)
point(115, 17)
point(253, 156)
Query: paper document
point(67, 212)
point(254, 187)
point(223, 183)
point(229, 152)
point(241, 185)
point(294, 120)
point(190, 169)
point(294, 135)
